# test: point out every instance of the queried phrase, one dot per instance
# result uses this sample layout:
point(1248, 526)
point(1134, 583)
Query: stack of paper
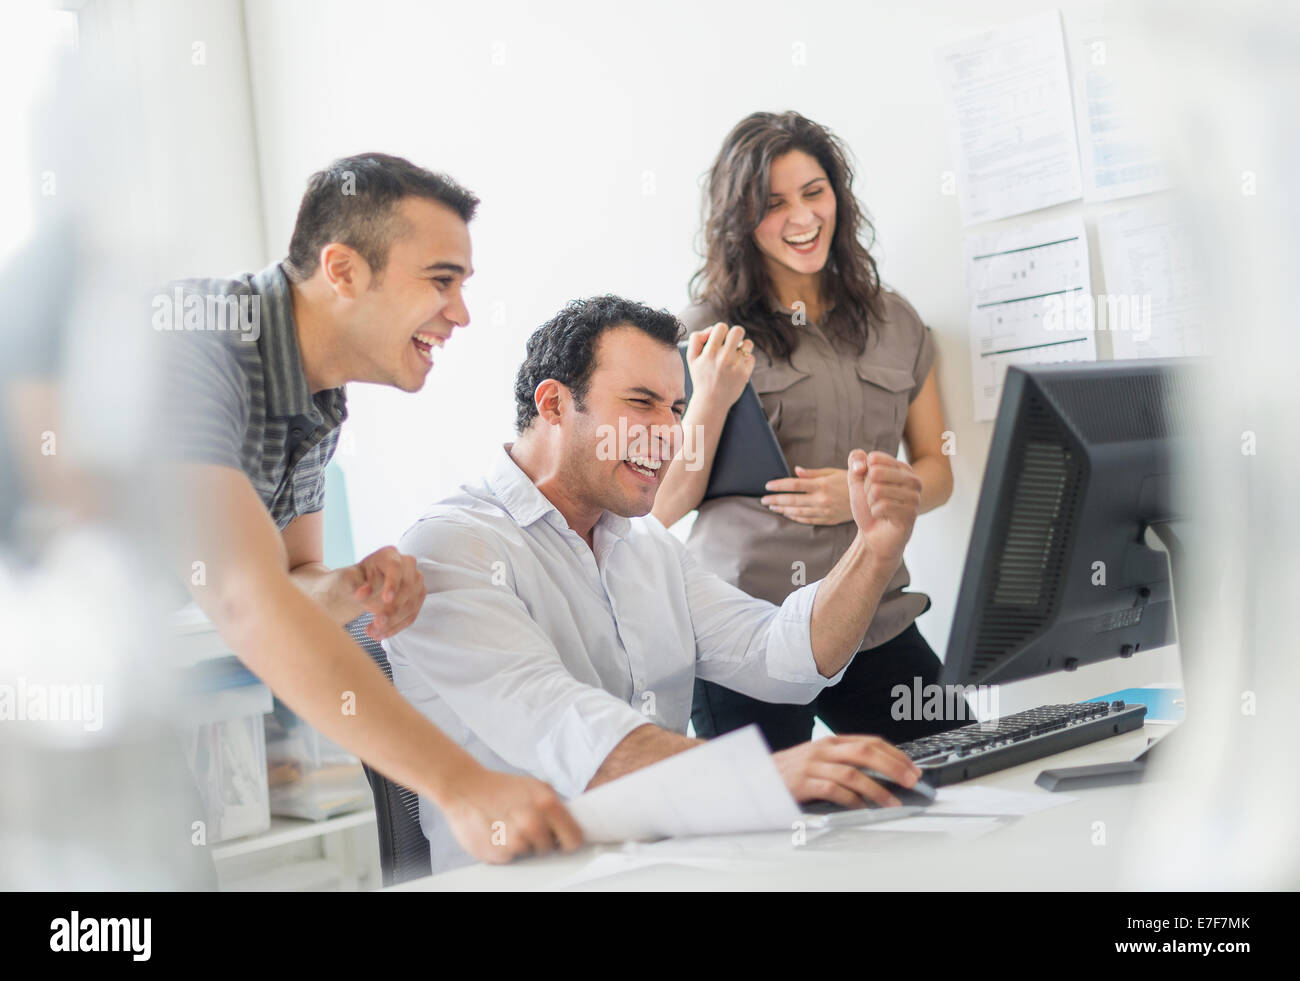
point(727, 785)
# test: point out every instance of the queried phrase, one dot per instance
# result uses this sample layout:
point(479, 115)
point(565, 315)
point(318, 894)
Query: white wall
point(585, 128)
point(183, 70)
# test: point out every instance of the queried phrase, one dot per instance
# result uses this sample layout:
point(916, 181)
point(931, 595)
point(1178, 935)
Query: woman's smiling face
point(797, 230)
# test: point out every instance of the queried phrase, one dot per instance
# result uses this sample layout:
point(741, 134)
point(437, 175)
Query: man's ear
point(552, 400)
point(343, 268)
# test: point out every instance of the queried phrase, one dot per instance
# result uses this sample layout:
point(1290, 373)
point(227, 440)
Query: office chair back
point(403, 849)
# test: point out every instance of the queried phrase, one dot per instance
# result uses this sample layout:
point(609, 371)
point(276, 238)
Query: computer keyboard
point(983, 747)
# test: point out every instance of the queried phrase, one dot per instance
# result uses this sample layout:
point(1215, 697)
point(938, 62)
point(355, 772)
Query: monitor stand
point(1163, 536)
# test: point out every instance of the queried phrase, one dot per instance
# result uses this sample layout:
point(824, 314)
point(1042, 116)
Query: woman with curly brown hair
point(839, 363)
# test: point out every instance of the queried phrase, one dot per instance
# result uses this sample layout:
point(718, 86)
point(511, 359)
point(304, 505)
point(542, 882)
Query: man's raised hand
point(885, 498)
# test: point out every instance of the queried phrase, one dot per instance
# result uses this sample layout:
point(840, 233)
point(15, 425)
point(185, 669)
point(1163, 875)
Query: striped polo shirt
point(235, 393)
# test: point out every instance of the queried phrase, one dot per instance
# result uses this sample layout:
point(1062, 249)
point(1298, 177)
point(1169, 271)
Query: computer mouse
point(920, 795)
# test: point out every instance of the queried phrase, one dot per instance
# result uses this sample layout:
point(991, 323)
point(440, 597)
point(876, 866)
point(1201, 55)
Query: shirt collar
point(287, 391)
point(526, 504)
point(615, 524)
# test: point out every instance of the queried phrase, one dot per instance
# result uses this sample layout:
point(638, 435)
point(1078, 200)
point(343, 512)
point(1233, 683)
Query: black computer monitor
point(1061, 571)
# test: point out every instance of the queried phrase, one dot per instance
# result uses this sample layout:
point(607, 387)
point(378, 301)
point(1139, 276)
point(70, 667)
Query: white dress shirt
point(539, 655)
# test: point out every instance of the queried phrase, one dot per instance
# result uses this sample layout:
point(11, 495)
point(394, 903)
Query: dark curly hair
point(734, 279)
point(564, 348)
point(354, 201)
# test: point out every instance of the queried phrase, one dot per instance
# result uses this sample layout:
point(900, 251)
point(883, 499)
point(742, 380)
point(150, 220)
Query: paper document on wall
point(1030, 302)
point(1118, 158)
point(1155, 301)
point(1011, 119)
point(727, 785)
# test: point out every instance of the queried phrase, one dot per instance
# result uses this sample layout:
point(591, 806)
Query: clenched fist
point(885, 498)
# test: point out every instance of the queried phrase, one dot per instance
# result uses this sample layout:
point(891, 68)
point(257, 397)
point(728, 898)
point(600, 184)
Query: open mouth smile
point(806, 243)
point(424, 343)
point(644, 468)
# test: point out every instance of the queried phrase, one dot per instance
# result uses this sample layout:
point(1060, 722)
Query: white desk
point(1061, 848)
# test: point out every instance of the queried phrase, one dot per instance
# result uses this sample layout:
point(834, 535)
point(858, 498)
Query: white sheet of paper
point(864, 815)
point(947, 824)
point(1152, 282)
point(729, 784)
point(616, 863)
point(993, 801)
point(1118, 159)
point(1011, 119)
point(1031, 302)
point(713, 853)
point(728, 846)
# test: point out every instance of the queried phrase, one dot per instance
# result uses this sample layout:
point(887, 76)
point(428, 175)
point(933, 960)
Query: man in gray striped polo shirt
point(240, 398)
point(255, 368)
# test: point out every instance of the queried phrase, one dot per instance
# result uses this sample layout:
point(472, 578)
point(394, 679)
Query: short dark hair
point(354, 201)
point(564, 348)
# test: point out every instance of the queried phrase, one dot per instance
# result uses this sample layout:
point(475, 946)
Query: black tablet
point(748, 454)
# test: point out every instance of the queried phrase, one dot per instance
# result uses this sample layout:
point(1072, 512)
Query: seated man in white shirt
point(564, 626)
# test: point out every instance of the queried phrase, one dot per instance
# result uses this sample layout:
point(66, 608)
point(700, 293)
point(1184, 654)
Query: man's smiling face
point(414, 304)
point(617, 446)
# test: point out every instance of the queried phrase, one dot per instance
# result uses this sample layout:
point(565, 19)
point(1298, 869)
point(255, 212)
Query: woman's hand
point(721, 361)
point(814, 497)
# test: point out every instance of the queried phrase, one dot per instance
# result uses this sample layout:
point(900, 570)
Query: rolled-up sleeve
point(476, 646)
point(750, 645)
